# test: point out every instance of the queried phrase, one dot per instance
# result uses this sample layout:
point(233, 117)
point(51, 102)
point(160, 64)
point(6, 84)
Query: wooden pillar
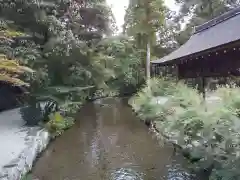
point(203, 87)
point(177, 73)
point(200, 81)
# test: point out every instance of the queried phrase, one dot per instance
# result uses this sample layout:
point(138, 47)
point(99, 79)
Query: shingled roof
point(222, 30)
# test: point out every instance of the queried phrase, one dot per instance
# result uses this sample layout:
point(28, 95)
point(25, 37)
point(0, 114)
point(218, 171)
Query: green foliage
point(186, 97)
point(27, 177)
point(72, 52)
point(49, 107)
point(231, 98)
point(38, 112)
point(10, 70)
point(57, 124)
point(143, 19)
point(161, 87)
point(208, 136)
point(128, 74)
point(70, 108)
point(197, 12)
point(63, 42)
point(32, 115)
point(67, 54)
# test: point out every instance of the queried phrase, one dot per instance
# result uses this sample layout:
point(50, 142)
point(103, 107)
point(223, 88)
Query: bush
point(32, 115)
point(146, 102)
point(230, 95)
point(208, 136)
point(27, 176)
point(57, 124)
point(161, 87)
point(186, 97)
point(70, 108)
point(38, 112)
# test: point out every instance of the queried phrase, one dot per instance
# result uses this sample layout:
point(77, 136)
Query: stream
point(108, 142)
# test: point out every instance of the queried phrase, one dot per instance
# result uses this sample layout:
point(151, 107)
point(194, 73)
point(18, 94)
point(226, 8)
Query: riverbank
point(108, 142)
point(20, 145)
point(22, 140)
point(206, 131)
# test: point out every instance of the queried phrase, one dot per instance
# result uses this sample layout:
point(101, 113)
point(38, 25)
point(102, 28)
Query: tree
point(65, 33)
point(142, 21)
point(197, 12)
point(60, 41)
point(166, 41)
point(57, 40)
point(128, 74)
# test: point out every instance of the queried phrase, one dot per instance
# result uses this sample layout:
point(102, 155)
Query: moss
point(57, 124)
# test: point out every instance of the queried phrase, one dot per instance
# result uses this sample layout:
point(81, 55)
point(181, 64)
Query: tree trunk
point(148, 59)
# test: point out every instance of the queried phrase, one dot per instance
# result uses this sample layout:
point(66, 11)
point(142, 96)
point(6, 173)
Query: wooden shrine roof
point(218, 32)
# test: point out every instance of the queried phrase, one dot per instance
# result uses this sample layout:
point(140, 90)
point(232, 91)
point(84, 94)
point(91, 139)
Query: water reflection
point(108, 142)
point(175, 173)
point(125, 174)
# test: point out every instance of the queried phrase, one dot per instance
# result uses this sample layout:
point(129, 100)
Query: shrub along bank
point(71, 63)
point(208, 132)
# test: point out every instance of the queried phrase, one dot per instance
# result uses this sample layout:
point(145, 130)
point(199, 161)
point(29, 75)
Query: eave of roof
point(220, 31)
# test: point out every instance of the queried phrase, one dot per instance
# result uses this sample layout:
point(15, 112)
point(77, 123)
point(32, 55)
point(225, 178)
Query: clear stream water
point(108, 142)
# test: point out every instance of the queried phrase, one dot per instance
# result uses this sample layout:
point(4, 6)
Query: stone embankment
point(20, 145)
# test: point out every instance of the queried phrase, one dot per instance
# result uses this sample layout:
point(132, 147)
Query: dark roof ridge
point(217, 20)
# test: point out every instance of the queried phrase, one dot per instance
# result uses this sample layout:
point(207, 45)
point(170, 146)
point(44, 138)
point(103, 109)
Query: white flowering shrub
point(210, 135)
